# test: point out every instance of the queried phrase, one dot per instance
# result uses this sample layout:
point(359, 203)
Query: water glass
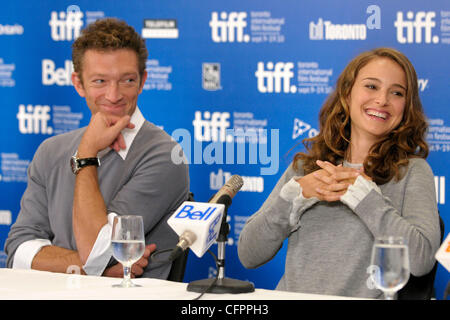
point(128, 245)
point(390, 265)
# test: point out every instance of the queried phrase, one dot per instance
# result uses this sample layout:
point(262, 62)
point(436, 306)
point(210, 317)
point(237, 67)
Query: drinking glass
point(128, 245)
point(390, 265)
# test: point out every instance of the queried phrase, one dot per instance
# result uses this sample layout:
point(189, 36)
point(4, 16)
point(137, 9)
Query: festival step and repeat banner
point(238, 83)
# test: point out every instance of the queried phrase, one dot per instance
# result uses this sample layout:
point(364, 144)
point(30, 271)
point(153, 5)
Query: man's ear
point(78, 84)
point(143, 79)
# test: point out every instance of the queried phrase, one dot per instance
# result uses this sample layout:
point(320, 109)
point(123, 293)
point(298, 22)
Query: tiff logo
point(439, 183)
point(275, 77)
point(414, 25)
point(66, 25)
point(229, 28)
point(212, 127)
point(251, 184)
point(34, 119)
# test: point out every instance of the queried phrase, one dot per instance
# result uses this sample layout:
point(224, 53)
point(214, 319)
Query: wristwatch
point(77, 164)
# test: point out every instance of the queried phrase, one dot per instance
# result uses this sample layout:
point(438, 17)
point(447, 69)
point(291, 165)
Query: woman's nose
point(382, 97)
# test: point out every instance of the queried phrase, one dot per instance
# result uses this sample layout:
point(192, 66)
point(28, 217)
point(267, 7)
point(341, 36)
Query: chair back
point(178, 267)
point(179, 264)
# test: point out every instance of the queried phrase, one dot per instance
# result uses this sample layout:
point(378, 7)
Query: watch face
point(74, 164)
point(77, 164)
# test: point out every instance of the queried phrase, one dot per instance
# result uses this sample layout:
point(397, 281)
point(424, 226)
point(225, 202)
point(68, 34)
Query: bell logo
point(59, 76)
point(410, 30)
point(34, 119)
point(229, 28)
point(66, 26)
point(275, 77)
point(187, 213)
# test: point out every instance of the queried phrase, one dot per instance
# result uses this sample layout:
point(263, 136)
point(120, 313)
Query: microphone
point(187, 238)
point(228, 191)
point(198, 223)
point(221, 284)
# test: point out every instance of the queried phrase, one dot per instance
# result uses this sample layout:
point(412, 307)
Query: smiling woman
point(376, 103)
point(391, 78)
point(363, 176)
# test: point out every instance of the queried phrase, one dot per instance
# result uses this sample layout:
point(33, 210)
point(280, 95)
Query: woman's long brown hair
point(391, 153)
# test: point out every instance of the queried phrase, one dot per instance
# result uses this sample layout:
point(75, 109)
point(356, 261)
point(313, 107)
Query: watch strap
point(88, 162)
point(78, 163)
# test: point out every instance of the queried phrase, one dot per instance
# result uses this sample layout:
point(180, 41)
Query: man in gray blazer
point(120, 164)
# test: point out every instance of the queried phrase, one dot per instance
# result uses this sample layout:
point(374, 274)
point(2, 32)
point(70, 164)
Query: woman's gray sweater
point(330, 245)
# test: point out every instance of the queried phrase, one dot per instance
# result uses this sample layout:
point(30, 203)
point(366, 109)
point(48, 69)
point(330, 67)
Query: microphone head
point(234, 184)
point(230, 188)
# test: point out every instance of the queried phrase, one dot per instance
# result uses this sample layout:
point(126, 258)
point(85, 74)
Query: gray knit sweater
point(146, 183)
point(330, 245)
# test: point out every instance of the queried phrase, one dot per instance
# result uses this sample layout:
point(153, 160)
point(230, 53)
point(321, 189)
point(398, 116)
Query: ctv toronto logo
point(225, 145)
point(326, 30)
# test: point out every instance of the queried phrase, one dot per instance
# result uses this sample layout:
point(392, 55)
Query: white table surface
point(32, 284)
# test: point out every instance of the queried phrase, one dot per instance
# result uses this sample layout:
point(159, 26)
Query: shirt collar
point(128, 134)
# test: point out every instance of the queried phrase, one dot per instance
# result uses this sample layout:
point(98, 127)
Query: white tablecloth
point(31, 284)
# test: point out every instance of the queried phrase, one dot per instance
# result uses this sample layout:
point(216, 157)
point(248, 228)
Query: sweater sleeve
point(358, 191)
point(417, 221)
point(265, 231)
point(32, 222)
point(293, 192)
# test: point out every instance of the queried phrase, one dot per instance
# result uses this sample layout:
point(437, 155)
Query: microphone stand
point(222, 284)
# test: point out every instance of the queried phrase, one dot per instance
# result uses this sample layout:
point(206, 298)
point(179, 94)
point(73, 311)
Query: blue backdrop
point(261, 67)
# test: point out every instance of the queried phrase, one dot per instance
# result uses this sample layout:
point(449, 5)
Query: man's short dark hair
point(108, 34)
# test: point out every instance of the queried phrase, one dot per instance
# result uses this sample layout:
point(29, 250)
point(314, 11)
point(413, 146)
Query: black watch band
point(87, 162)
point(77, 164)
